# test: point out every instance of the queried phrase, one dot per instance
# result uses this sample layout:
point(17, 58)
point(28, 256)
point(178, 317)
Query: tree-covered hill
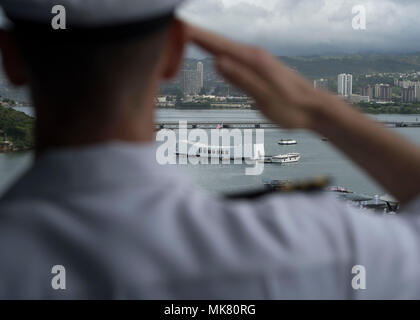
point(17, 128)
point(328, 66)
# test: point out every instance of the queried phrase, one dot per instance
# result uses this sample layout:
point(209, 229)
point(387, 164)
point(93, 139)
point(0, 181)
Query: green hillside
point(17, 128)
point(328, 66)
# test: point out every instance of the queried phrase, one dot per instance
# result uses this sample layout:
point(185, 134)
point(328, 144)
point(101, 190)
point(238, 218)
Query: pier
point(254, 124)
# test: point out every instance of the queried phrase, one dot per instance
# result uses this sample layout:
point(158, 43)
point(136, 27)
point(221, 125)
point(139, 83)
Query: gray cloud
point(304, 27)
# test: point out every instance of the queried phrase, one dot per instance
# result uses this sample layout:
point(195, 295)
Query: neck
point(126, 119)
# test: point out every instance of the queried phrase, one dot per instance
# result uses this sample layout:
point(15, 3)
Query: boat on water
point(286, 158)
point(196, 149)
point(287, 142)
point(280, 159)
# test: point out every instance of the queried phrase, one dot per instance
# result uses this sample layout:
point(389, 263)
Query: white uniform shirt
point(125, 227)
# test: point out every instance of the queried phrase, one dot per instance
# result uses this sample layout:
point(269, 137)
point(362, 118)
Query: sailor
point(97, 217)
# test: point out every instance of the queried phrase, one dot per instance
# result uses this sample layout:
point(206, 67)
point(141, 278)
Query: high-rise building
point(200, 71)
point(190, 82)
point(417, 92)
point(345, 85)
point(408, 95)
point(383, 92)
point(386, 93)
point(367, 91)
point(321, 84)
point(193, 80)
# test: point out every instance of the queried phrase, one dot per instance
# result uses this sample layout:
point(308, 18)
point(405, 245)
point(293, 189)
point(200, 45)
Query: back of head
point(86, 65)
point(89, 56)
point(108, 54)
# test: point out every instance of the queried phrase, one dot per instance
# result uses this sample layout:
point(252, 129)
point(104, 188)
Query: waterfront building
point(408, 95)
point(345, 85)
point(190, 82)
point(417, 92)
point(383, 92)
point(193, 80)
point(368, 91)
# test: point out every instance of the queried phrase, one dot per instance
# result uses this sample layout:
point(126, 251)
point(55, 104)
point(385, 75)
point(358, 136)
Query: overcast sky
point(305, 27)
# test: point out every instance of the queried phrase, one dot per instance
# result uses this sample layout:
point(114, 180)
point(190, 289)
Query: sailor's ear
point(175, 48)
point(12, 59)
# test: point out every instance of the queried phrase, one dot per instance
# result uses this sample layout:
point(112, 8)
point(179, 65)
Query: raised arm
point(290, 101)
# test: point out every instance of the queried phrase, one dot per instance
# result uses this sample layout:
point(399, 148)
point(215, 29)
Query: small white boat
point(286, 142)
point(286, 158)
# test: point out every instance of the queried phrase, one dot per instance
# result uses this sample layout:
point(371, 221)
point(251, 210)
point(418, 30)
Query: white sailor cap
point(89, 13)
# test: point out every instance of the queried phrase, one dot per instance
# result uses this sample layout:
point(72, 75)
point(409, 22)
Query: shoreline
point(234, 109)
point(19, 150)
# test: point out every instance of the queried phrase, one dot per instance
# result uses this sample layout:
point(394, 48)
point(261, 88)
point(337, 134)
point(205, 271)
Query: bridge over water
point(252, 124)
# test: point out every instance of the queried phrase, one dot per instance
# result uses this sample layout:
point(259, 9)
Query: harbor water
point(318, 157)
